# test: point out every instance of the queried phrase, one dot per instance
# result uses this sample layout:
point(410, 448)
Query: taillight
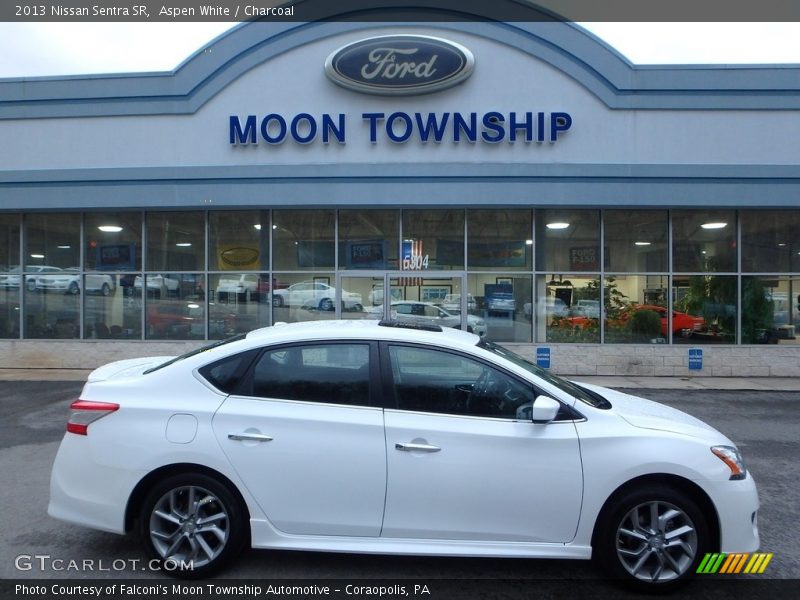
point(86, 412)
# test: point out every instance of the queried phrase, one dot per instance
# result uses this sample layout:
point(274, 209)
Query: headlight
point(731, 457)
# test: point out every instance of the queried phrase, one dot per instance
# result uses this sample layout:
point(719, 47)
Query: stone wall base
point(566, 359)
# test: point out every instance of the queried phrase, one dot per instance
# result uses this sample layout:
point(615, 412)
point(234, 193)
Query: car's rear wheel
point(73, 289)
point(326, 304)
point(105, 290)
point(653, 538)
point(192, 524)
point(277, 301)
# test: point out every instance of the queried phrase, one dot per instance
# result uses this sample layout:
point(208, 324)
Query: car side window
point(432, 311)
point(225, 374)
point(329, 373)
point(427, 380)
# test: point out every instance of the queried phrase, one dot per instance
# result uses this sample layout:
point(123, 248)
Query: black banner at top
point(398, 10)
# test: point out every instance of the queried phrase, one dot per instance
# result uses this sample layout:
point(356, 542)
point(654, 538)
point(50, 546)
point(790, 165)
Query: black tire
point(105, 290)
point(277, 301)
point(326, 304)
point(73, 289)
point(186, 542)
point(618, 553)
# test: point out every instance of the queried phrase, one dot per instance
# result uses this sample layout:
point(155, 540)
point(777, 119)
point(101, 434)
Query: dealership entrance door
point(428, 297)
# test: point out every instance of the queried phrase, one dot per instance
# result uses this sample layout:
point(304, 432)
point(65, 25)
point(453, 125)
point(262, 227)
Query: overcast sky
point(40, 49)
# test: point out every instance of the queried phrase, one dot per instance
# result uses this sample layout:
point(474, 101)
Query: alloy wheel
point(656, 542)
point(189, 523)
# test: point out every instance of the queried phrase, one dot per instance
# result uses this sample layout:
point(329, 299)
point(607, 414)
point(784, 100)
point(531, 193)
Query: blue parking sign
point(695, 359)
point(543, 357)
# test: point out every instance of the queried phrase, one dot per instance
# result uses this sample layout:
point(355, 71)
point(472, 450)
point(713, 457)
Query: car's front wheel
point(192, 524)
point(653, 538)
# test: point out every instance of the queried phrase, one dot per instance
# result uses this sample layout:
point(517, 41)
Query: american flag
point(412, 257)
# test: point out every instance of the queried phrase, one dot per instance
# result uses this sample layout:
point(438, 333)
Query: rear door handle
point(411, 447)
point(250, 437)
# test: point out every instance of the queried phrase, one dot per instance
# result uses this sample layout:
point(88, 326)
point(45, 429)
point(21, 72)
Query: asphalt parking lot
point(765, 425)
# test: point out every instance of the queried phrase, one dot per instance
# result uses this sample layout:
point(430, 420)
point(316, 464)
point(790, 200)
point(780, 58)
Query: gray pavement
point(775, 384)
point(764, 423)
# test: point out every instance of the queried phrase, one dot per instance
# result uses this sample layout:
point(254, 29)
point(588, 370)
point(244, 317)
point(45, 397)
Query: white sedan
point(315, 294)
point(68, 281)
point(391, 438)
point(409, 311)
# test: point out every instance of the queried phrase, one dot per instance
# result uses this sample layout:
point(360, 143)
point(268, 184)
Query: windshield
point(586, 396)
point(235, 338)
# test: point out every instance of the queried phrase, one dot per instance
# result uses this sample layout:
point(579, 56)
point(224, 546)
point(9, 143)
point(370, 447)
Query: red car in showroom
point(683, 324)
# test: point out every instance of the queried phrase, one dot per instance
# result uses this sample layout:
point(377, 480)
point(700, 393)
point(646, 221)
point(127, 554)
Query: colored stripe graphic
point(729, 562)
point(740, 564)
point(734, 563)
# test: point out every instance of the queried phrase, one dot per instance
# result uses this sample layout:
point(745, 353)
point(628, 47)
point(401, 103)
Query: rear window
point(226, 373)
point(205, 348)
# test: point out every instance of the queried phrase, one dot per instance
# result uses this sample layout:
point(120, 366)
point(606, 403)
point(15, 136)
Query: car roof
point(357, 329)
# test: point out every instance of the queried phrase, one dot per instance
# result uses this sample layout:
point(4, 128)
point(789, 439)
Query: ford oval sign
point(400, 65)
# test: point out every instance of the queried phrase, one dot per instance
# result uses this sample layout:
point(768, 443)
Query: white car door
point(464, 460)
point(306, 441)
point(300, 293)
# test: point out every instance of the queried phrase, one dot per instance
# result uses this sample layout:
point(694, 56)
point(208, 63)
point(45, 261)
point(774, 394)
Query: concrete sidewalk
point(776, 384)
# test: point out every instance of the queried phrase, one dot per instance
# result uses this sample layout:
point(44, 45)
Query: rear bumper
point(85, 493)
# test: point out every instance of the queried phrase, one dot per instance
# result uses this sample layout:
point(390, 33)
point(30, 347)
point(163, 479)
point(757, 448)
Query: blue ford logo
point(400, 65)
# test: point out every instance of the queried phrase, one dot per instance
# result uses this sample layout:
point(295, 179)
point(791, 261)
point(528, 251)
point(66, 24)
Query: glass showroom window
point(635, 299)
point(636, 241)
point(239, 240)
point(10, 276)
point(309, 297)
point(174, 301)
point(770, 241)
point(704, 241)
point(499, 306)
point(175, 305)
point(239, 299)
point(368, 239)
point(567, 309)
point(176, 241)
point(237, 303)
point(635, 309)
point(113, 242)
point(770, 309)
point(704, 305)
point(567, 241)
point(52, 275)
point(303, 240)
point(499, 240)
point(112, 256)
point(704, 309)
point(433, 240)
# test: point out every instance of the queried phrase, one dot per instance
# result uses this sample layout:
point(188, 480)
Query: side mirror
point(544, 410)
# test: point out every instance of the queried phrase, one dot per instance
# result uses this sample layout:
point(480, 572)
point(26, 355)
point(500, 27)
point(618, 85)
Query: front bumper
point(737, 508)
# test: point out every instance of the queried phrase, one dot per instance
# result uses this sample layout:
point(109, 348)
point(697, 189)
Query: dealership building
point(521, 180)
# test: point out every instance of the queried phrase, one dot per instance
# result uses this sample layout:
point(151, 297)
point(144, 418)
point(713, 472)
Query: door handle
point(411, 447)
point(250, 437)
